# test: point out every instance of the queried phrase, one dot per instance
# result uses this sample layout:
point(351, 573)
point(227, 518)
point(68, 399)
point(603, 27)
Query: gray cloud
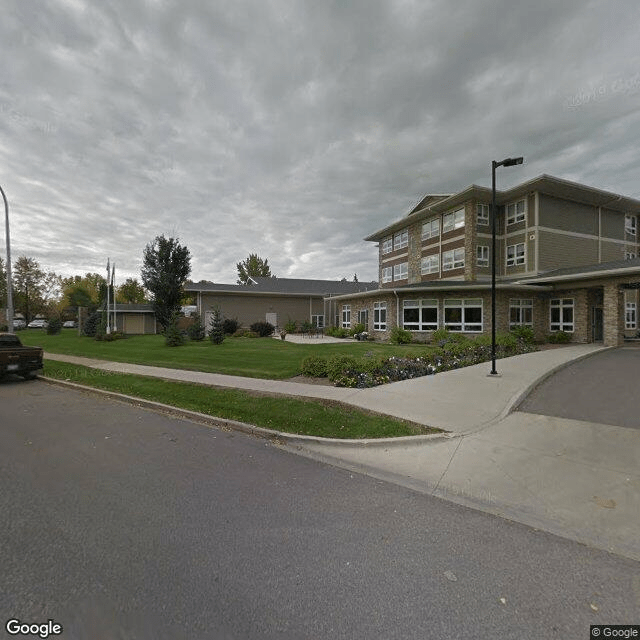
point(295, 129)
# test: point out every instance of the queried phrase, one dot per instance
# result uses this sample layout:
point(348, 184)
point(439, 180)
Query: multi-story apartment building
point(566, 259)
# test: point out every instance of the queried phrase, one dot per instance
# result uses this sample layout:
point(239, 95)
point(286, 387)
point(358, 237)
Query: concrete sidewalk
point(580, 480)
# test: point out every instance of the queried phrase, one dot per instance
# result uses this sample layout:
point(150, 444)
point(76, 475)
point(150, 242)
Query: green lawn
point(306, 417)
point(251, 357)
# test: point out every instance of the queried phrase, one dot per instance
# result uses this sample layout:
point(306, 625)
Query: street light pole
point(507, 162)
point(9, 281)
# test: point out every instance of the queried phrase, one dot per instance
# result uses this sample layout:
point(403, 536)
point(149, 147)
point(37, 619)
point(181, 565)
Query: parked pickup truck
point(16, 358)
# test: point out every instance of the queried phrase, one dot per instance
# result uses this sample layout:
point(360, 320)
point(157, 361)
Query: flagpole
point(108, 297)
point(113, 289)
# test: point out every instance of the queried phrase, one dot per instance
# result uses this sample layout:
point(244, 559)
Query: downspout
point(397, 308)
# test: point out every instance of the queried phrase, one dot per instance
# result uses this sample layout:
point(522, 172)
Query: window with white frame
point(520, 313)
point(317, 321)
point(400, 239)
point(515, 254)
point(561, 314)
point(630, 320)
point(387, 245)
point(380, 316)
point(401, 271)
point(387, 274)
point(454, 220)
point(430, 264)
point(516, 212)
point(431, 229)
point(482, 256)
point(630, 224)
point(346, 316)
point(453, 259)
point(482, 213)
point(420, 315)
point(463, 315)
point(363, 317)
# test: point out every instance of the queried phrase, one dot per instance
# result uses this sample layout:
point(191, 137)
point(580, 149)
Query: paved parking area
point(603, 388)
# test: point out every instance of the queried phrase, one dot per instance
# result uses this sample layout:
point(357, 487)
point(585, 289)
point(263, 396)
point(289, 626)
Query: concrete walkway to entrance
point(577, 479)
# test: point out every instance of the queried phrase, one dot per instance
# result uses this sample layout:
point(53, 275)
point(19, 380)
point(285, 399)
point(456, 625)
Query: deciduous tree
point(253, 267)
point(131, 292)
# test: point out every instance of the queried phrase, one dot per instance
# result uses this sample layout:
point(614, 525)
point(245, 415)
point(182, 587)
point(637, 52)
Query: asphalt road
point(602, 388)
point(124, 523)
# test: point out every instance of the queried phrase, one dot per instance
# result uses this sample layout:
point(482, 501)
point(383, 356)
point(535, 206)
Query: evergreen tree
point(196, 330)
point(172, 335)
point(216, 330)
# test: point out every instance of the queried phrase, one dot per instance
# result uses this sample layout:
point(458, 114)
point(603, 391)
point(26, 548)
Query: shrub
point(263, 329)
point(523, 333)
point(400, 336)
point(196, 331)
point(337, 332)
point(90, 326)
point(314, 367)
point(173, 336)
point(216, 332)
point(338, 365)
point(559, 337)
point(291, 326)
point(54, 327)
point(245, 333)
point(230, 326)
point(358, 328)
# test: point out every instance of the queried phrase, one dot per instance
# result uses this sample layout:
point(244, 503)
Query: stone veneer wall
point(613, 305)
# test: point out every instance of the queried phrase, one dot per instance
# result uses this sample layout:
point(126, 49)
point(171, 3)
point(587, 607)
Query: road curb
point(279, 437)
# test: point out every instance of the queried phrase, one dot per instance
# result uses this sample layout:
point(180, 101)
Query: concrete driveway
point(603, 388)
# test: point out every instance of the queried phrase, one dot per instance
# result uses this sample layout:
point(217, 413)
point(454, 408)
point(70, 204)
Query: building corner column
point(613, 312)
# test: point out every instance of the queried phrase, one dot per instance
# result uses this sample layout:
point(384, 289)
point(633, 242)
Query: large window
point(482, 213)
point(630, 319)
point(380, 316)
point(482, 256)
point(387, 274)
point(430, 264)
point(453, 259)
point(401, 271)
point(346, 316)
point(561, 314)
point(463, 315)
point(451, 221)
point(363, 317)
point(400, 239)
point(317, 321)
point(516, 212)
point(387, 245)
point(520, 313)
point(630, 224)
point(431, 229)
point(515, 254)
point(420, 315)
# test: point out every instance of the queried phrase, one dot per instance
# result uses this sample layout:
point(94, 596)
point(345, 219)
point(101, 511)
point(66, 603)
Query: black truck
point(18, 359)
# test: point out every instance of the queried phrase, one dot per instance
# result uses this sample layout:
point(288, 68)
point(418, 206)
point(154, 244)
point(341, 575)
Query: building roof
point(549, 185)
point(133, 308)
point(618, 267)
point(284, 286)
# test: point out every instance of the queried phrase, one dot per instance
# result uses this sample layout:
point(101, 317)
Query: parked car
point(69, 324)
point(15, 358)
point(19, 323)
point(38, 323)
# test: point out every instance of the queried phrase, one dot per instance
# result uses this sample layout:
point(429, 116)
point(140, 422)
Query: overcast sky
point(294, 128)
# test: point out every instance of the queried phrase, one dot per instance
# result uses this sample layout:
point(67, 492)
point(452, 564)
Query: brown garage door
point(134, 323)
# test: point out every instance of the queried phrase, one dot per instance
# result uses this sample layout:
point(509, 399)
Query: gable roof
point(284, 286)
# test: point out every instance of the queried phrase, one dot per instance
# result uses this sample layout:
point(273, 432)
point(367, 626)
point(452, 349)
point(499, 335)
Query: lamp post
point(507, 162)
point(9, 287)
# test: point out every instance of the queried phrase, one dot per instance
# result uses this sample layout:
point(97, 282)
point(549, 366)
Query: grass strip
point(304, 417)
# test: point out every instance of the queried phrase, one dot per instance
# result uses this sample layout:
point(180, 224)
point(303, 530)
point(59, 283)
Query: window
point(346, 316)
point(387, 274)
point(630, 315)
point(516, 212)
point(317, 321)
point(401, 271)
point(482, 213)
point(520, 313)
point(630, 224)
point(387, 245)
point(431, 229)
point(463, 315)
point(453, 259)
point(482, 256)
point(451, 221)
point(515, 254)
point(430, 264)
point(420, 315)
point(630, 255)
point(401, 239)
point(561, 314)
point(380, 316)
point(363, 317)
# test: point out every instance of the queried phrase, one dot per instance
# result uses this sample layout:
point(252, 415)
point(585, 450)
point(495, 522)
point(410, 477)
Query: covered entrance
point(597, 324)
